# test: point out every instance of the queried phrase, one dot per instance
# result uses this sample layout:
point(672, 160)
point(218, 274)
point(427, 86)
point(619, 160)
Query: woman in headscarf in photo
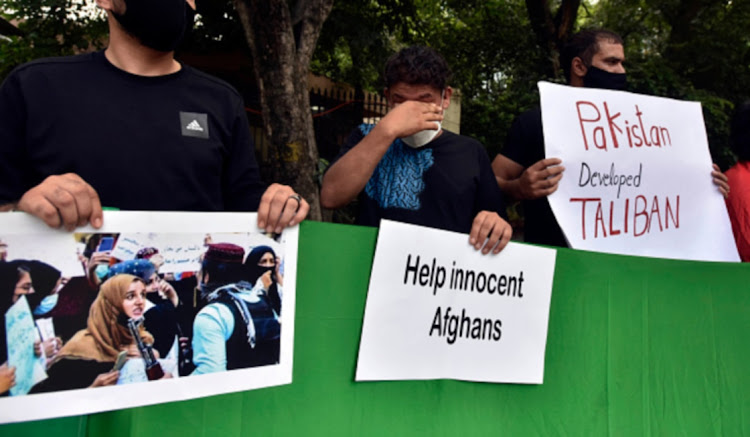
point(87, 360)
point(15, 281)
point(47, 281)
point(161, 305)
point(263, 272)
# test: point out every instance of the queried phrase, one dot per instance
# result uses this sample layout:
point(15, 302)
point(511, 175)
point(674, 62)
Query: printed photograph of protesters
point(127, 308)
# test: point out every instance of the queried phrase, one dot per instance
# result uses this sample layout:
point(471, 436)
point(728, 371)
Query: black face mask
point(158, 24)
point(598, 78)
point(268, 269)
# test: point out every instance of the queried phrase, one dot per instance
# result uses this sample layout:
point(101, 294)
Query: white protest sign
point(128, 245)
point(637, 177)
point(32, 247)
point(181, 252)
point(46, 328)
point(436, 308)
point(21, 334)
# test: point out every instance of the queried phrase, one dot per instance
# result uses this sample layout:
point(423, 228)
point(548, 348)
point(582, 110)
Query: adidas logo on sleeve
point(194, 124)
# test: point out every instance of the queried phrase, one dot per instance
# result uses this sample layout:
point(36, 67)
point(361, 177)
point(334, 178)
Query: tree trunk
point(552, 32)
point(282, 41)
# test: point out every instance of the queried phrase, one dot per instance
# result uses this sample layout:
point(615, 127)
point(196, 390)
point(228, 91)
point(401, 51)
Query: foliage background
point(685, 49)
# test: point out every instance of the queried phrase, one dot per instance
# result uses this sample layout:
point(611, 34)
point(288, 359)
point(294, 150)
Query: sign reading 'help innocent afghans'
point(436, 308)
point(637, 177)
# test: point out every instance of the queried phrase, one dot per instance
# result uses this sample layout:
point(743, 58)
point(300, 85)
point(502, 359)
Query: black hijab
point(254, 271)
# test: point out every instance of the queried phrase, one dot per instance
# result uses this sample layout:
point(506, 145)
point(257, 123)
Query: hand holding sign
point(491, 231)
point(721, 181)
point(541, 179)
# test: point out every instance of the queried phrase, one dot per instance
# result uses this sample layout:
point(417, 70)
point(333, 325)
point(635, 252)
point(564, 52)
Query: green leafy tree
point(49, 28)
point(687, 49)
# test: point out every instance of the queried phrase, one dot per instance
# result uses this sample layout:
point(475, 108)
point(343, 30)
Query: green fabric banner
point(636, 346)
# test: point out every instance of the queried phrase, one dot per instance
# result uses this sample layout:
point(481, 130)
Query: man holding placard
point(407, 168)
point(591, 59)
point(132, 128)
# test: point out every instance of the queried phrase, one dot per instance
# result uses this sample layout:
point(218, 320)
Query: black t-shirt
point(441, 185)
point(173, 142)
point(525, 146)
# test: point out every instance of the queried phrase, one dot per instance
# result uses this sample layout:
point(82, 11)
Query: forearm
point(348, 176)
point(510, 187)
point(508, 176)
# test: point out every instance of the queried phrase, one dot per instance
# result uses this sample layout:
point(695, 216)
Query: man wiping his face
point(408, 168)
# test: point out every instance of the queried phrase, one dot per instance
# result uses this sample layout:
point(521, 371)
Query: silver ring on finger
point(298, 198)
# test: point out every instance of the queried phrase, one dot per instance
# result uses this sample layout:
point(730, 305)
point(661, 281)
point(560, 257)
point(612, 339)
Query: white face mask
point(421, 138)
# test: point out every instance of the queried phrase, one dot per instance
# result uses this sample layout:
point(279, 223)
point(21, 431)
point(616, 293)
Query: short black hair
point(584, 45)
point(741, 131)
point(417, 65)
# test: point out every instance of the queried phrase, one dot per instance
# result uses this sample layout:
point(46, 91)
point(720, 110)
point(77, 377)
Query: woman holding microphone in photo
point(88, 359)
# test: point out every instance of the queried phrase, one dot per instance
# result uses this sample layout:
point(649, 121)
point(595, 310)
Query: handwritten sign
point(637, 177)
point(22, 333)
point(436, 308)
point(181, 252)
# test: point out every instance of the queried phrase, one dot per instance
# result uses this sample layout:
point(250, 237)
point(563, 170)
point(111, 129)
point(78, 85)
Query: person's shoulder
point(210, 81)
point(462, 140)
point(741, 170)
point(531, 115)
point(357, 134)
point(211, 311)
point(53, 64)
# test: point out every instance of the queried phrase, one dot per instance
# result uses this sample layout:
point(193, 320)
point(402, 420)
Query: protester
point(159, 310)
point(15, 281)
point(47, 281)
point(738, 201)
point(96, 116)
point(237, 328)
point(263, 273)
point(70, 311)
point(407, 168)
point(592, 58)
point(87, 360)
